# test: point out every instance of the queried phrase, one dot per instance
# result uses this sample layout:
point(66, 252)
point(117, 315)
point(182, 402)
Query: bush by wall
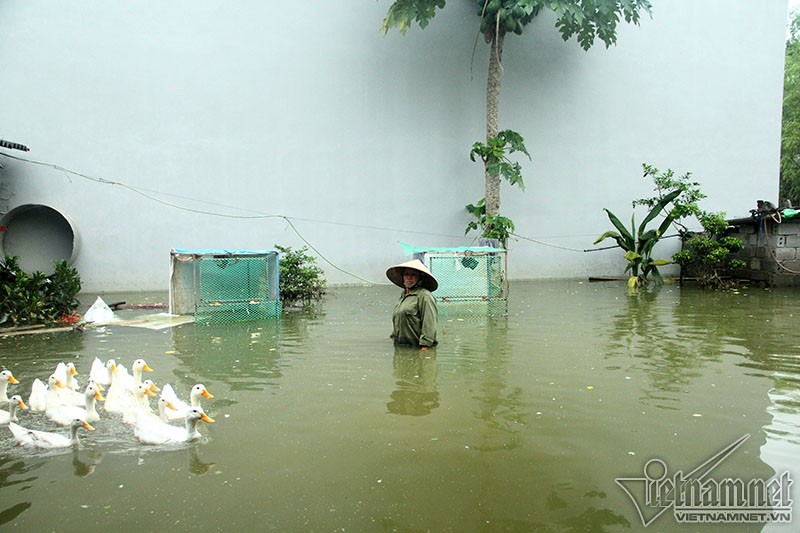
point(36, 298)
point(302, 281)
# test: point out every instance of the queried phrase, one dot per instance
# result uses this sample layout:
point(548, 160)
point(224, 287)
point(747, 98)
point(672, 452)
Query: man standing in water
point(415, 317)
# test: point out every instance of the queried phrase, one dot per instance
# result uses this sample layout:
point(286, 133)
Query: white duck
point(141, 405)
point(45, 439)
point(78, 398)
point(55, 409)
point(11, 415)
point(73, 397)
point(100, 372)
point(180, 407)
point(118, 398)
point(157, 432)
point(6, 377)
point(91, 396)
point(163, 405)
point(63, 413)
point(37, 401)
point(66, 372)
point(71, 382)
point(137, 368)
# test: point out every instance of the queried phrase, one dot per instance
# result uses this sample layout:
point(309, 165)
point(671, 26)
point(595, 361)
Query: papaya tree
point(586, 20)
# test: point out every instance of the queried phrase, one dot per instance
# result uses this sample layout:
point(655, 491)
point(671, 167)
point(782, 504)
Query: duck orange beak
point(59, 384)
point(147, 368)
point(148, 392)
point(154, 388)
point(22, 405)
point(72, 371)
point(87, 426)
point(12, 380)
point(205, 418)
point(98, 396)
point(207, 394)
point(171, 406)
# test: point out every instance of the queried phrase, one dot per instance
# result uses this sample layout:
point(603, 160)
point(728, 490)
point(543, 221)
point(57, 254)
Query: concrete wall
point(252, 123)
point(771, 250)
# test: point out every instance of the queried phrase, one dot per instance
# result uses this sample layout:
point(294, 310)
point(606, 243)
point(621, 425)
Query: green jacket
point(415, 318)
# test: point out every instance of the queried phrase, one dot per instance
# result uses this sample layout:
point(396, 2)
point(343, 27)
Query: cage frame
point(187, 296)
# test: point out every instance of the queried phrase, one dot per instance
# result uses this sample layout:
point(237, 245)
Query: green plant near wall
point(491, 227)
point(495, 157)
point(665, 182)
point(302, 280)
point(708, 255)
point(638, 242)
point(37, 298)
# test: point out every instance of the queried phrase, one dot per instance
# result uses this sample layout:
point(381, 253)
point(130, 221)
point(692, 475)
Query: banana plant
point(638, 243)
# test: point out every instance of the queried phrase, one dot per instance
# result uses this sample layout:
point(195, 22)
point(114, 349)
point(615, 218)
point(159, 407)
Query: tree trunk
point(492, 117)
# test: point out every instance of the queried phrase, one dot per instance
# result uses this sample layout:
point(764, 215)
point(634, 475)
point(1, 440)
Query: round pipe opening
point(39, 235)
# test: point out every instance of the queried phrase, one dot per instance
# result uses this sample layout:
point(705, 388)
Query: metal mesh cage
point(220, 286)
point(472, 281)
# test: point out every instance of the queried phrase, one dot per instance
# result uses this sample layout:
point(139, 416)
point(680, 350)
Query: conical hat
point(395, 274)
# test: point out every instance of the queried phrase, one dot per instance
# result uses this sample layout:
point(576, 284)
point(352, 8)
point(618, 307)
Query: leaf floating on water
point(589, 387)
point(696, 414)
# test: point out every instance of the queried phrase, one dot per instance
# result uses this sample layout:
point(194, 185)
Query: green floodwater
point(520, 422)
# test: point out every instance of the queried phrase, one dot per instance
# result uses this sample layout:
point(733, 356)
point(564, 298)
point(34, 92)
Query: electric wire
point(258, 215)
point(192, 210)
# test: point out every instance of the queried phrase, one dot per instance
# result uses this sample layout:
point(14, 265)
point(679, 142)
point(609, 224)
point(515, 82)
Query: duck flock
point(61, 402)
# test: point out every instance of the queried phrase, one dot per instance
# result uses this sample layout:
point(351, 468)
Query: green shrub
point(37, 298)
point(707, 256)
point(302, 281)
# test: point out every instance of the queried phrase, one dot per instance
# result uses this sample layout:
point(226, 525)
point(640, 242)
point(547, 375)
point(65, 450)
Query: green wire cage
point(472, 280)
point(219, 286)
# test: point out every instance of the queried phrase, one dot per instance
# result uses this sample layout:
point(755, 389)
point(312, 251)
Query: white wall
point(251, 108)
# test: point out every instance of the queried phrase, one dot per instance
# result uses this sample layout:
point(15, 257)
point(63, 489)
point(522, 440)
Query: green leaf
point(660, 205)
point(606, 235)
point(624, 233)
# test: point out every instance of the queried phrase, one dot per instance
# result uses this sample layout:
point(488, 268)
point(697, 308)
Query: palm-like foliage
point(638, 243)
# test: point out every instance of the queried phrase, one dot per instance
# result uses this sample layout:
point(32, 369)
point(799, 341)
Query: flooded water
point(514, 423)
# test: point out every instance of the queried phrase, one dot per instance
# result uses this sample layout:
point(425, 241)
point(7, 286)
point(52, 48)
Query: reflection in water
point(196, 465)
point(245, 355)
point(515, 423)
point(502, 407)
point(783, 432)
point(11, 468)
point(7, 515)
point(416, 393)
point(85, 467)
